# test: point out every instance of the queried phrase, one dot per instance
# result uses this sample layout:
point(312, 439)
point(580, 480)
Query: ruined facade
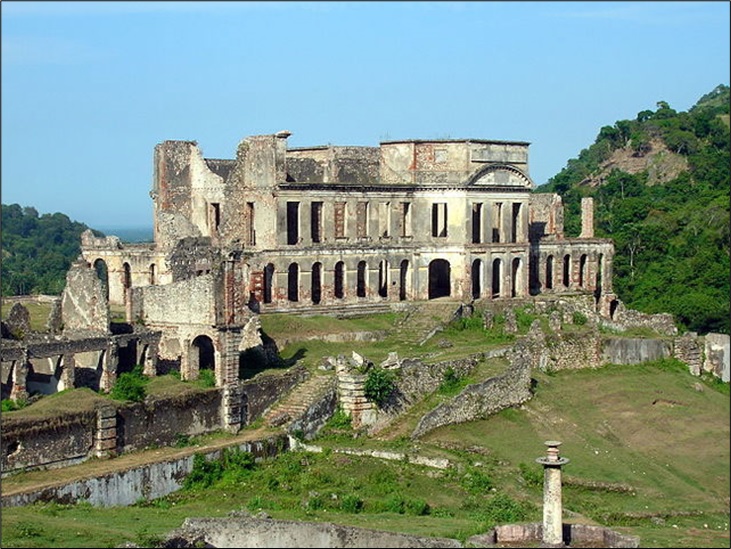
point(327, 229)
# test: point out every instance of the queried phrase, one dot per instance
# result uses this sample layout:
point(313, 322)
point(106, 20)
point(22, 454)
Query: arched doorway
point(566, 270)
point(202, 355)
point(339, 289)
point(549, 272)
point(293, 282)
point(403, 279)
point(476, 278)
point(598, 284)
point(496, 277)
point(582, 270)
point(268, 282)
point(316, 289)
point(439, 279)
point(383, 278)
point(362, 273)
point(516, 285)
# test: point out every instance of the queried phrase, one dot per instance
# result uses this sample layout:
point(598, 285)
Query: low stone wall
point(623, 350)
point(574, 535)
point(147, 482)
point(261, 392)
point(482, 399)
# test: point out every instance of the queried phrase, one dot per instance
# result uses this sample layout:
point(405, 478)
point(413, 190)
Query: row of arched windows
point(583, 271)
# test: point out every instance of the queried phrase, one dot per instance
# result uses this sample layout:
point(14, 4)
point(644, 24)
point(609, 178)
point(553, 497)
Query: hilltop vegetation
point(660, 185)
point(37, 250)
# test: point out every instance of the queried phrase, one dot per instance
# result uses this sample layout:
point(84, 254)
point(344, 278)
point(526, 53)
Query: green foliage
point(228, 469)
point(476, 481)
point(37, 250)
point(672, 239)
point(452, 383)
point(379, 385)
point(9, 405)
point(130, 386)
point(351, 503)
point(579, 318)
point(340, 420)
point(207, 378)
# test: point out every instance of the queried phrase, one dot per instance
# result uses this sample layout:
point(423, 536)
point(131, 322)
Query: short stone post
point(552, 511)
point(105, 444)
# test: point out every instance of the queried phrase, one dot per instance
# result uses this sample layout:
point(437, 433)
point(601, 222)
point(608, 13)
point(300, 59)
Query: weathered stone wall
point(188, 301)
point(626, 350)
point(478, 401)
point(662, 323)
point(717, 355)
point(62, 441)
point(546, 216)
point(84, 306)
point(159, 422)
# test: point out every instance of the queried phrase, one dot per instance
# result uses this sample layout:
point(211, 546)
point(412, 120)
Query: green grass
point(39, 313)
point(652, 427)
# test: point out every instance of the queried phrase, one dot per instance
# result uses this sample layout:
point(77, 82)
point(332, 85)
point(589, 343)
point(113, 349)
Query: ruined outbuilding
point(333, 229)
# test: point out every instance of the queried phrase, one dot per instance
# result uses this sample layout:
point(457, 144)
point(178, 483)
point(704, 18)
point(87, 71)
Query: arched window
point(152, 274)
point(566, 270)
point(202, 355)
point(582, 270)
point(102, 272)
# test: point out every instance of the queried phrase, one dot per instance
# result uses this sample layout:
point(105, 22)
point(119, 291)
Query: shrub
point(207, 378)
point(130, 386)
point(351, 503)
point(451, 382)
point(340, 420)
point(379, 385)
point(417, 507)
point(12, 405)
point(532, 476)
point(579, 318)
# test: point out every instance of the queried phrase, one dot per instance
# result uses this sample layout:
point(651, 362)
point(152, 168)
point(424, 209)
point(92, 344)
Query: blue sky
point(89, 88)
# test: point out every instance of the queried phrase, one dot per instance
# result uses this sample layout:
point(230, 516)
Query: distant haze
point(130, 234)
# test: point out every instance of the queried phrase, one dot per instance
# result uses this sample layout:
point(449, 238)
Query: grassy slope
point(659, 431)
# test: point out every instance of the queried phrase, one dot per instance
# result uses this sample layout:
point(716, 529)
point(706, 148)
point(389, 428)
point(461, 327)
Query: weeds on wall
point(379, 385)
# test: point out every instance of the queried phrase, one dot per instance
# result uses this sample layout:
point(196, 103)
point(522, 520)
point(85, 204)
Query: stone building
point(331, 228)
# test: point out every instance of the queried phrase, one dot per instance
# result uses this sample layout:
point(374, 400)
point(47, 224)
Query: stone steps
point(299, 399)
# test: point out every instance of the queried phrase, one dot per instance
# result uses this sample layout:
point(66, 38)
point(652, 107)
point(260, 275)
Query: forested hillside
point(660, 185)
point(37, 250)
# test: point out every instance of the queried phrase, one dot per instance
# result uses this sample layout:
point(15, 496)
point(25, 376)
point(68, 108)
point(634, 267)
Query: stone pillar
point(68, 371)
point(228, 377)
point(587, 217)
point(19, 390)
point(552, 511)
point(105, 445)
point(351, 394)
point(109, 369)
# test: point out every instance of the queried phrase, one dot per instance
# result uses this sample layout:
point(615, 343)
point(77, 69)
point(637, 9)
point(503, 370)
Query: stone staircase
point(293, 405)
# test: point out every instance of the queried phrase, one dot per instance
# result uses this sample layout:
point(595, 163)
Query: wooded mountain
point(37, 251)
point(660, 185)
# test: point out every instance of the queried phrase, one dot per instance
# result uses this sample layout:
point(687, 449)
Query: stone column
point(109, 369)
point(552, 511)
point(587, 217)
point(228, 377)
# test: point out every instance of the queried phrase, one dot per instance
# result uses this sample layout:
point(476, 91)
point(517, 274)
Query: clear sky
point(89, 88)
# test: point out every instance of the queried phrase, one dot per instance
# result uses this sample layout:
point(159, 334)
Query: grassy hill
point(648, 446)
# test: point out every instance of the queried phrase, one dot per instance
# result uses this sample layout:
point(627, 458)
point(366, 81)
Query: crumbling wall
point(546, 216)
point(478, 401)
point(58, 442)
point(84, 306)
point(260, 393)
point(188, 301)
point(717, 356)
point(161, 422)
point(662, 323)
